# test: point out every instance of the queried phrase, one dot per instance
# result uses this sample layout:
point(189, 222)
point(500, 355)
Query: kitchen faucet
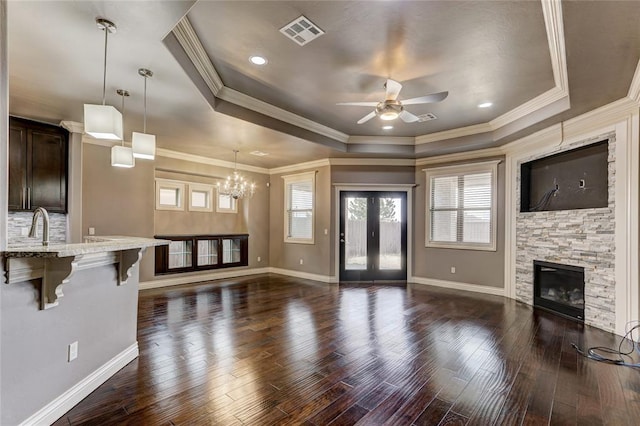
point(33, 232)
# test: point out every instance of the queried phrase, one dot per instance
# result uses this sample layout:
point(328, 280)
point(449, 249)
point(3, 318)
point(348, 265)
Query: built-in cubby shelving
point(188, 253)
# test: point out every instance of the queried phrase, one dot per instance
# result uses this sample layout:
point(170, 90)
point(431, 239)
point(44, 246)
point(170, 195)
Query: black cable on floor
point(596, 352)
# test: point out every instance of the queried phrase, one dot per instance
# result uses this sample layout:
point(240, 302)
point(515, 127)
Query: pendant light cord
point(104, 68)
point(144, 122)
point(123, 95)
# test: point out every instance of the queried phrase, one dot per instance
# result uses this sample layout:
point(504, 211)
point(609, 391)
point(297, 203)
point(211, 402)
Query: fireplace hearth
point(559, 288)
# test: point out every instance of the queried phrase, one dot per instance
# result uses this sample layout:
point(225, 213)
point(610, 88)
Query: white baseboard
point(497, 291)
point(303, 275)
point(56, 408)
point(190, 279)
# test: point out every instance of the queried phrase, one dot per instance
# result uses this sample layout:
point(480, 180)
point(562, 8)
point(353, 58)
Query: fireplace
point(559, 288)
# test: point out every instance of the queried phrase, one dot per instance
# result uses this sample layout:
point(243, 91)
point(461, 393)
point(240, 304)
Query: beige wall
point(472, 266)
point(252, 217)
point(317, 256)
point(118, 201)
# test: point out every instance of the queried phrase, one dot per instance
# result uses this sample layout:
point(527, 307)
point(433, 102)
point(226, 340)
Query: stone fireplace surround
point(584, 237)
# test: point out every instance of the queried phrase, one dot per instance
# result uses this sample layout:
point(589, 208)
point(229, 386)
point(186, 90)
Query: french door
point(373, 235)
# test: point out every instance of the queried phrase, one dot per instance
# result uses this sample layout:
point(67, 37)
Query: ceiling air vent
point(426, 117)
point(259, 153)
point(301, 30)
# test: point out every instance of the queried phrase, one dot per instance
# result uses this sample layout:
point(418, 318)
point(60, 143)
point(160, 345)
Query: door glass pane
point(390, 233)
point(355, 228)
point(207, 252)
point(230, 250)
point(179, 254)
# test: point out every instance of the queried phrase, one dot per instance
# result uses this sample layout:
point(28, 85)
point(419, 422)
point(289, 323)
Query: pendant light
point(235, 185)
point(122, 156)
point(144, 144)
point(103, 121)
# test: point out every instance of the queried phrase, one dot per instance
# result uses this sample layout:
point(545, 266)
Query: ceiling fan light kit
point(391, 108)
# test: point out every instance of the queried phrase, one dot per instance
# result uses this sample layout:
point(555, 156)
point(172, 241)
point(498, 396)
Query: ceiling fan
point(391, 108)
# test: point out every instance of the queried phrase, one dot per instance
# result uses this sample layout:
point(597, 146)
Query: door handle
point(29, 198)
point(24, 198)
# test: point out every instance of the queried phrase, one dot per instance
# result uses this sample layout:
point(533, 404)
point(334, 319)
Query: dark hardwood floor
point(276, 350)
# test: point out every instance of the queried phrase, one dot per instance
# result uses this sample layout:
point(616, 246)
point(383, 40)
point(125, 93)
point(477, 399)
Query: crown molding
point(246, 101)
point(460, 156)
point(634, 89)
point(454, 133)
point(544, 137)
point(393, 162)
point(552, 12)
point(188, 39)
point(607, 115)
point(381, 140)
point(209, 161)
point(72, 126)
point(301, 166)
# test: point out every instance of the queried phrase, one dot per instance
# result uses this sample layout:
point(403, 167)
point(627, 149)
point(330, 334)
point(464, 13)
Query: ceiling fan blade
point(369, 104)
point(407, 117)
point(393, 89)
point(428, 99)
point(367, 117)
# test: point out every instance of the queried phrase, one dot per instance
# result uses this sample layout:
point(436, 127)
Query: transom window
point(299, 208)
point(226, 204)
point(461, 206)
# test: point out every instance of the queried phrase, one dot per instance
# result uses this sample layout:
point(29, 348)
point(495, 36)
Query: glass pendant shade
point(122, 156)
point(103, 122)
point(143, 145)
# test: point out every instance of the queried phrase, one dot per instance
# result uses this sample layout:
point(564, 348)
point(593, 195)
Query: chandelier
point(235, 185)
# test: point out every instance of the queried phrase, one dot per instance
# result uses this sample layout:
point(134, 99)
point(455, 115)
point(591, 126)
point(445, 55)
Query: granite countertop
point(92, 244)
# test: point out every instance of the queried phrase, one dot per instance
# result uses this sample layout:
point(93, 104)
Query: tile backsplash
point(19, 220)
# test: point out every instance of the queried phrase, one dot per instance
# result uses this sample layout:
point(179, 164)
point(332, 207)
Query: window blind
point(300, 211)
point(460, 208)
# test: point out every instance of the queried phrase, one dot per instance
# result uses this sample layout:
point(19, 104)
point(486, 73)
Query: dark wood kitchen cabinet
point(38, 166)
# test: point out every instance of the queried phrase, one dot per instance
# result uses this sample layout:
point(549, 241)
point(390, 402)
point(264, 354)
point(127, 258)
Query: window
point(226, 204)
point(169, 195)
point(299, 207)
point(461, 206)
point(200, 197)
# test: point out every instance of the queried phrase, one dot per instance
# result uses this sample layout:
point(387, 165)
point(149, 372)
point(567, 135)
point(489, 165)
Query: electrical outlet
point(73, 351)
point(92, 231)
point(453, 269)
point(259, 259)
point(326, 231)
point(301, 261)
point(24, 231)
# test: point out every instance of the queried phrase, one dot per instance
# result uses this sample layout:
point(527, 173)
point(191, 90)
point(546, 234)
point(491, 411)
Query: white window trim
point(170, 184)
point(234, 204)
point(485, 166)
point(201, 187)
point(300, 177)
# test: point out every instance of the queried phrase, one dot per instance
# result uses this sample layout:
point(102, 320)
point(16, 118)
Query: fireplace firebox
point(559, 288)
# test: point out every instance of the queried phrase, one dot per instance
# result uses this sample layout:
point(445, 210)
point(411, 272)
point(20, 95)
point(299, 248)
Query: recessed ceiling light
point(485, 105)
point(258, 60)
point(387, 127)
